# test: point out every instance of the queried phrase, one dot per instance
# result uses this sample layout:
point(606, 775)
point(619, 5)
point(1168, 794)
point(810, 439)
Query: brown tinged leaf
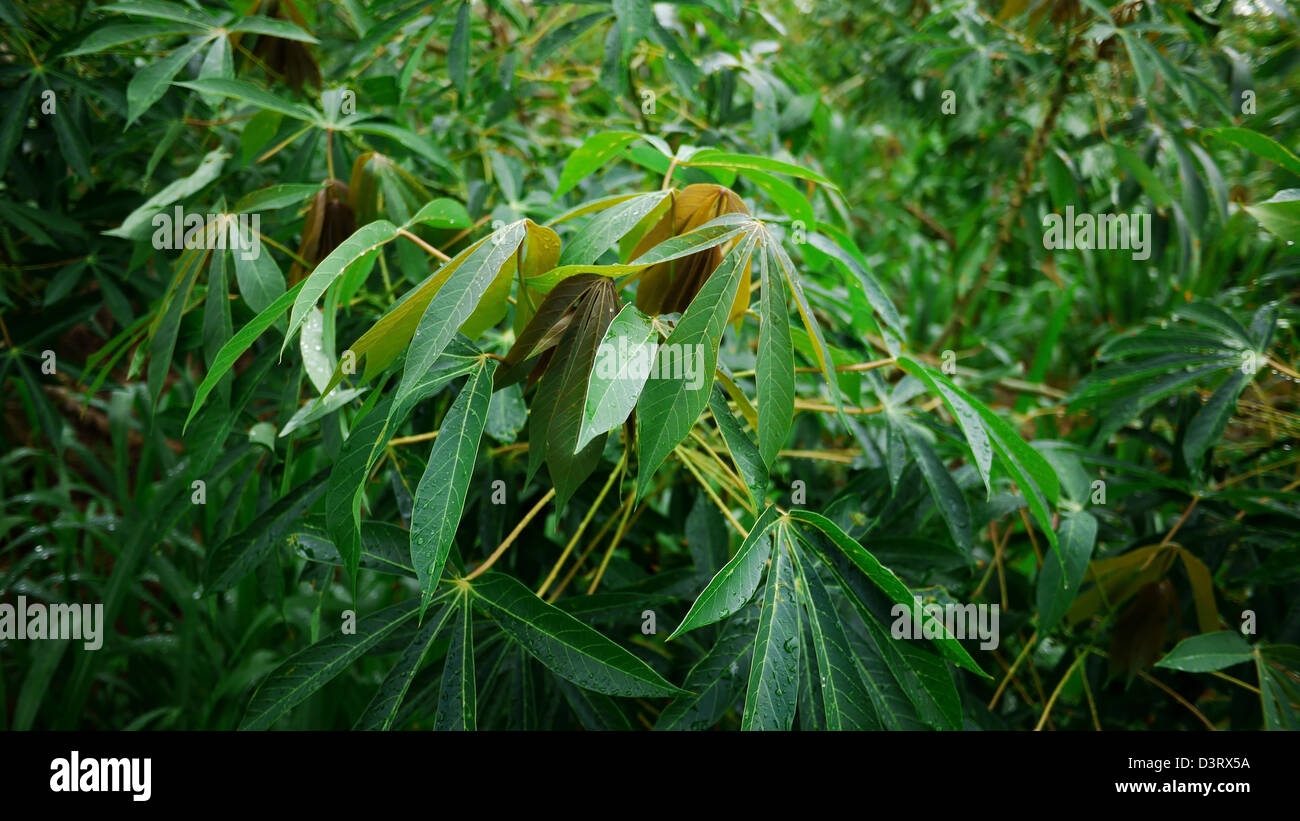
point(559, 345)
point(1141, 630)
point(669, 287)
point(288, 59)
point(545, 330)
point(574, 358)
point(329, 221)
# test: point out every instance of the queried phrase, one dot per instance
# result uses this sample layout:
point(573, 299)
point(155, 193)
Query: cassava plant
point(453, 365)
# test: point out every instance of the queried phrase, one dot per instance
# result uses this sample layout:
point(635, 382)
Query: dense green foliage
point(376, 470)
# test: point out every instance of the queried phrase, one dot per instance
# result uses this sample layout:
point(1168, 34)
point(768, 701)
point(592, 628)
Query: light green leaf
point(1259, 145)
point(608, 227)
point(273, 27)
point(440, 496)
point(623, 362)
point(774, 372)
point(137, 223)
point(365, 240)
point(597, 150)
point(239, 343)
point(151, 82)
point(458, 50)
point(450, 307)
point(736, 582)
point(1207, 652)
point(117, 35)
point(273, 197)
point(713, 158)
point(1280, 214)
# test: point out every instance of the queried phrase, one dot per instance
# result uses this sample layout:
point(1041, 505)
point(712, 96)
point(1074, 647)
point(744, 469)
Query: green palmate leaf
point(308, 670)
point(442, 213)
point(821, 351)
point(566, 646)
point(381, 712)
point(742, 449)
point(361, 451)
point(109, 36)
point(1277, 695)
point(151, 83)
point(458, 49)
point(882, 577)
point(1259, 145)
point(922, 676)
point(774, 371)
point(622, 366)
point(385, 548)
point(947, 495)
point(1207, 652)
point(967, 417)
point(240, 342)
point(161, 11)
point(365, 240)
point(773, 692)
point(670, 404)
point(275, 196)
point(788, 198)
point(1209, 423)
point(597, 150)
point(1119, 411)
point(440, 496)
point(892, 706)
point(1280, 214)
point(273, 27)
point(246, 92)
point(870, 288)
point(1032, 473)
point(562, 35)
point(845, 700)
point(1118, 382)
point(235, 558)
point(735, 583)
point(713, 158)
point(457, 700)
point(450, 307)
point(715, 682)
point(1062, 574)
point(1145, 176)
point(136, 225)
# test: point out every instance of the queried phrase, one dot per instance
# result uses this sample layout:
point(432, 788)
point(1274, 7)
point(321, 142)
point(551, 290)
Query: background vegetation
point(842, 202)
